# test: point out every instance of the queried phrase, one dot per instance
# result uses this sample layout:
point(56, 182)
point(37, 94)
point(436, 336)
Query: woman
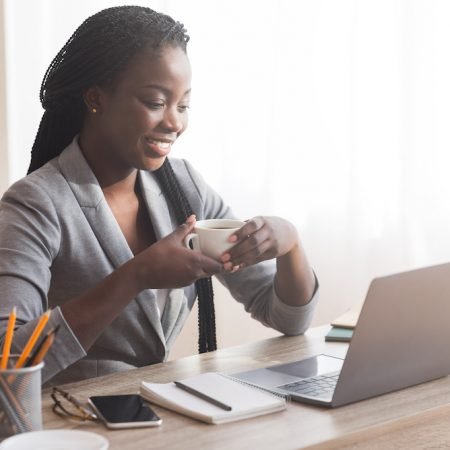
point(95, 231)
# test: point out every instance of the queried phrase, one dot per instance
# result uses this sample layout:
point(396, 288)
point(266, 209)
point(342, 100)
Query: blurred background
point(331, 113)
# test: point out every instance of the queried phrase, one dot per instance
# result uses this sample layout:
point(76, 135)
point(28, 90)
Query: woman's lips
point(159, 147)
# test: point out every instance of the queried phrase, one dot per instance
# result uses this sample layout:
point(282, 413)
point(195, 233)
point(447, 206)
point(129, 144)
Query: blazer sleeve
point(254, 286)
point(29, 241)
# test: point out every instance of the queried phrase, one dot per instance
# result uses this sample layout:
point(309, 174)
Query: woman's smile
point(161, 148)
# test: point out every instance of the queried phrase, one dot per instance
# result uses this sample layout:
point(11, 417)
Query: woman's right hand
point(169, 264)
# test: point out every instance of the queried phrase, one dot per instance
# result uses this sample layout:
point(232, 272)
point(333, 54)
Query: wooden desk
point(403, 419)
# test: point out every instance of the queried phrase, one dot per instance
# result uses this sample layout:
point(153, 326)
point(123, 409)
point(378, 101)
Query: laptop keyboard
point(317, 386)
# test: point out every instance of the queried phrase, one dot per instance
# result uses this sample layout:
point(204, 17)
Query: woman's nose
point(172, 120)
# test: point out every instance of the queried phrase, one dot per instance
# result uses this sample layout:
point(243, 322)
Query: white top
point(161, 298)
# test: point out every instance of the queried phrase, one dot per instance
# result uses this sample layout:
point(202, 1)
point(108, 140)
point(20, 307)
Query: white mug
point(211, 236)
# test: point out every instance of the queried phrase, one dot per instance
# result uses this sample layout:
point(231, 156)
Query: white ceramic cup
point(211, 236)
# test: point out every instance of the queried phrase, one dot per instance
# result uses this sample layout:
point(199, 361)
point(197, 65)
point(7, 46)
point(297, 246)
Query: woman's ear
point(93, 99)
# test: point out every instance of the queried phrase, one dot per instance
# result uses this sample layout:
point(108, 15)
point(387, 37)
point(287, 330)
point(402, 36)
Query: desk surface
point(407, 418)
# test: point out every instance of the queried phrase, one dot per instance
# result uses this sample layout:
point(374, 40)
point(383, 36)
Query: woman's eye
point(154, 105)
point(183, 108)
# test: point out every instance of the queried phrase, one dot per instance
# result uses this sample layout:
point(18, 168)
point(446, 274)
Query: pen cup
point(20, 399)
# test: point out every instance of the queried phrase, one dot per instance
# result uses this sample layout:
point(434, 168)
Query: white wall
point(4, 173)
point(333, 114)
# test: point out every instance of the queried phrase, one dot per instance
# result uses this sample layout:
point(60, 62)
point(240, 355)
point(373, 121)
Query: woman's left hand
point(261, 238)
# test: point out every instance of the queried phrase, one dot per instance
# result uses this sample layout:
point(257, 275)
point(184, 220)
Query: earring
point(94, 110)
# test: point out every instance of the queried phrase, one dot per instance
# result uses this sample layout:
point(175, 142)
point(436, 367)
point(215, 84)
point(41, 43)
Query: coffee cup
point(211, 236)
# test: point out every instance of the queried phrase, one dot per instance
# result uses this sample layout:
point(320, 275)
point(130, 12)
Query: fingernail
point(225, 257)
point(232, 238)
point(235, 269)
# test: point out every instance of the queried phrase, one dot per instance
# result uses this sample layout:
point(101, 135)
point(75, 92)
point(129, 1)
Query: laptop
point(402, 338)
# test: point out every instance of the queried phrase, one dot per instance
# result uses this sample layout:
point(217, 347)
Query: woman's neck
point(112, 176)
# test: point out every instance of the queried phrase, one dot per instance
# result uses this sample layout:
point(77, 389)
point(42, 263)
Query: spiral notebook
point(246, 401)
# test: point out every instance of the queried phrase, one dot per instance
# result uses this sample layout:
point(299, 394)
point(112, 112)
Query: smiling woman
point(141, 116)
point(104, 212)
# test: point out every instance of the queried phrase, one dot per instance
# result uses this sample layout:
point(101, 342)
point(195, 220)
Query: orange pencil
point(8, 339)
point(33, 338)
point(42, 349)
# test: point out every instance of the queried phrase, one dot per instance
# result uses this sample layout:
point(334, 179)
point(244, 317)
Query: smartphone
point(124, 411)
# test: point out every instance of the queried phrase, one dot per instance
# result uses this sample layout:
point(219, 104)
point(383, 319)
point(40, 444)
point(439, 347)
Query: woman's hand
point(165, 264)
point(261, 238)
point(169, 264)
point(264, 238)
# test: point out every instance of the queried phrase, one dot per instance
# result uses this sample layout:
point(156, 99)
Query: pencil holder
point(20, 399)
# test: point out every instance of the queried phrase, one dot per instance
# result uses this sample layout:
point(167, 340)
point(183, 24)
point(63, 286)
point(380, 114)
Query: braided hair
point(206, 315)
point(97, 52)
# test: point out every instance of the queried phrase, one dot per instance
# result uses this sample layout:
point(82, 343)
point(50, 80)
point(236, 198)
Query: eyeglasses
point(66, 405)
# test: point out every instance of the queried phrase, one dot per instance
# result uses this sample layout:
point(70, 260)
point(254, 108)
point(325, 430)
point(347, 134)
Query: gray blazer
point(58, 237)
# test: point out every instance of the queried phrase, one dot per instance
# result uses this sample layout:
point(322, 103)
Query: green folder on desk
point(339, 334)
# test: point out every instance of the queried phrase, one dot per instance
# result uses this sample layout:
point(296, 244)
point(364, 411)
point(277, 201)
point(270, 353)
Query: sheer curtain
point(333, 114)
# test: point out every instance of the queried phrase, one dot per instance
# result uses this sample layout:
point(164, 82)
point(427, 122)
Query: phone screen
point(119, 411)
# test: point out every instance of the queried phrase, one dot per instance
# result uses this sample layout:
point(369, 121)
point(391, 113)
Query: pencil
point(8, 339)
point(203, 396)
point(33, 338)
point(42, 349)
point(13, 409)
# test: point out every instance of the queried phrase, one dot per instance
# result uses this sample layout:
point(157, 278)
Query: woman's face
point(140, 117)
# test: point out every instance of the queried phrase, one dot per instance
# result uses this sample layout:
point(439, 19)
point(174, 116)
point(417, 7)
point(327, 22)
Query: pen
point(203, 396)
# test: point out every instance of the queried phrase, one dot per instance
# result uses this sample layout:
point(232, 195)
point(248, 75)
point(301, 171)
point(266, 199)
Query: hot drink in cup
point(211, 236)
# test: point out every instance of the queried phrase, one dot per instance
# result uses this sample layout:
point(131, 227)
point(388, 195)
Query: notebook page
point(245, 401)
point(239, 396)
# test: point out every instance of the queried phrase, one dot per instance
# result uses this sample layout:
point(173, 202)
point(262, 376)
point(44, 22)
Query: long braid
point(206, 314)
point(177, 198)
point(95, 55)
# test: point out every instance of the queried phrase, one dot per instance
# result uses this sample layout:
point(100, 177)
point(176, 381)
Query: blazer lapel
point(90, 197)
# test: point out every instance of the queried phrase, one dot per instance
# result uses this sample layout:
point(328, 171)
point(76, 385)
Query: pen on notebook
point(8, 339)
point(33, 338)
point(203, 396)
point(42, 349)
